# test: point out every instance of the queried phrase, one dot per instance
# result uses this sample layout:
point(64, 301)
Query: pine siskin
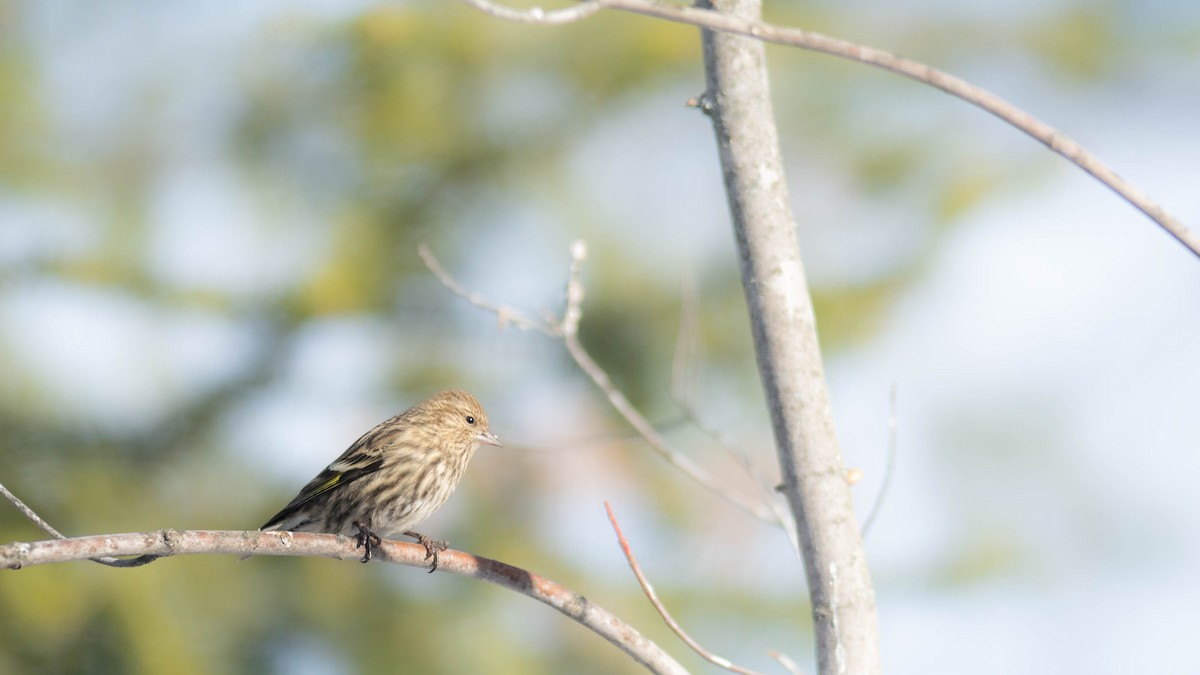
point(393, 477)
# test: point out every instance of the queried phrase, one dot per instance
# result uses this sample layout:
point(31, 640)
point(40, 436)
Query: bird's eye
point(470, 420)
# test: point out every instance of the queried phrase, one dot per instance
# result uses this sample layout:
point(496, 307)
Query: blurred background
point(209, 287)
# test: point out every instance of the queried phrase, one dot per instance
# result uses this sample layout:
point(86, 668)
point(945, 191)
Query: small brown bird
point(393, 477)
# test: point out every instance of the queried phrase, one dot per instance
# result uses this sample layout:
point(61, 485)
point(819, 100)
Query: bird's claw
point(432, 546)
point(366, 539)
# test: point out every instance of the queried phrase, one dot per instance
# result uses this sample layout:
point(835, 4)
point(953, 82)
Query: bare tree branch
point(955, 86)
point(506, 315)
point(568, 330)
point(683, 371)
point(662, 610)
point(148, 546)
point(657, 442)
point(49, 529)
point(30, 514)
point(783, 324)
point(570, 334)
point(770, 497)
point(165, 543)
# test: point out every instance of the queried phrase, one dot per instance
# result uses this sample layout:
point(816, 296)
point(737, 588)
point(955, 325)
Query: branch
point(787, 350)
point(656, 441)
point(769, 496)
point(684, 365)
point(151, 546)
point(568, 331)
point(49, 529)
point(915, 70)
point(30, 514)
point(506, 315)
point(570, 335)
point(662, 610)
point(165, 543)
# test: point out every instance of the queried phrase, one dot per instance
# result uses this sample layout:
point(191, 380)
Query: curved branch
point(164, 543)
point(662, 609)
point(504, 314)
point(955, 86)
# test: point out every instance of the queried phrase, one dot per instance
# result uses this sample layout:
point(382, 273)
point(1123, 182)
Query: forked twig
point(685, 365)
point(49, 529)
point(570, 335)
point(567, 329)
point(506, 315)
point(783, 517)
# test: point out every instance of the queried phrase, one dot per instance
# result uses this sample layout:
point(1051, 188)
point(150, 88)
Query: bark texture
point(786, 347)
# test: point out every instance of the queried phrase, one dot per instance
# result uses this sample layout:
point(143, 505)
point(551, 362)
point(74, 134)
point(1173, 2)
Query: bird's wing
point(339, 474)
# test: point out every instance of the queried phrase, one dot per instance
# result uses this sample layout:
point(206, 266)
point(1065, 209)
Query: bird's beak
point(488, 438)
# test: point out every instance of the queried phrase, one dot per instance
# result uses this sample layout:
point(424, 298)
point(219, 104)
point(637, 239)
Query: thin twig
point(955, 86)
point(786, 661)
point(506, 315)
point(770, 497)
point(662, 610)
point(49, 529)
point(568, 330)
point(166, 543)
point(573, 311)
point(889, 469)
point(570, 335)
point(659, 444)
point(684, 367)
point(30, 514)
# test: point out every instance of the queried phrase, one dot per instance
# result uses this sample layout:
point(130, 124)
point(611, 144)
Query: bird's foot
point(432, 546)
point(366, 539)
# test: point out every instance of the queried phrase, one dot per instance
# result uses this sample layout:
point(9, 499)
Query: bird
point(394, 476)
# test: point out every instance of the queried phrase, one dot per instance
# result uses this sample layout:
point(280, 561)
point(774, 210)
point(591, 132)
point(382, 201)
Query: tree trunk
point(788, 354)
